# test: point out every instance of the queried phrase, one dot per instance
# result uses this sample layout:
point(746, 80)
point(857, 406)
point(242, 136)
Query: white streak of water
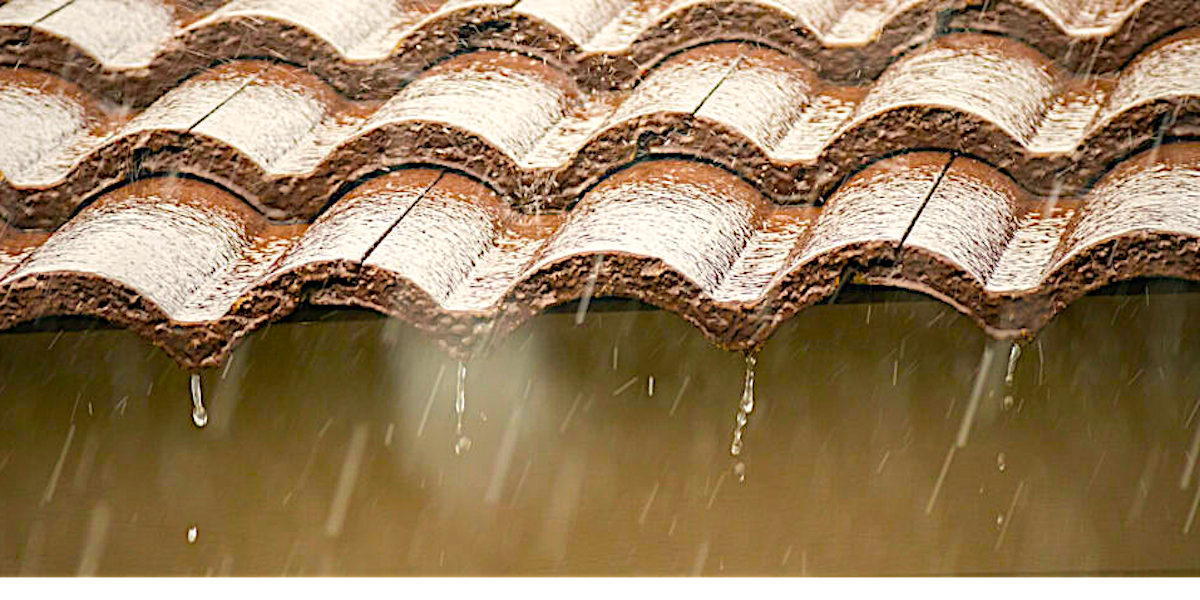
point(986, 363)
point(716, 489)
point(48, 495)
point(504, 456)
point(437, 382)
point(646, 507)
point(588, 289)
point(1186, 479)
point(1187, 527)
point(570, 413)
point(624, 386)
point(937, 487)
point(701, 558)
point(520, 483)
point(1007, 518)
point(93, 545)
point(346, 481)
point(679, 396)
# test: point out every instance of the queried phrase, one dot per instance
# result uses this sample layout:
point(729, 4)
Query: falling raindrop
point(1000, 462)
point(999, 519)
point(745, 406)
point(463, 445)
point(1008, 402)
point(199, 414)
point(193, 533)
point(739, 471)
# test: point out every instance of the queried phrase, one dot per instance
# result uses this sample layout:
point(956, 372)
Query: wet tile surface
point(135, 49)
point(192, 268)
point(286, 142)
point(733, 183)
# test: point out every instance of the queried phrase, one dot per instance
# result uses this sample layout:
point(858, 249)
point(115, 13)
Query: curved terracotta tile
point(190, 267)
point(132, 51)
point(193, 269)
point(1011, 261)
point(284, 141)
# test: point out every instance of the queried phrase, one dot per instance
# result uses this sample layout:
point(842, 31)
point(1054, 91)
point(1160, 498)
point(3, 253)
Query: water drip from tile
point(1014, 355)
point(745, 407)
point(199, 414)
point(463, 444)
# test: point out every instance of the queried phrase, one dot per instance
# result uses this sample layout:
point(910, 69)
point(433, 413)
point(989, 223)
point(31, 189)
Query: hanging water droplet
point(199, 414)
point(1013, 356)
point(1008, 402)
point(193, 533)
point(1001, 463)
point(745, 406)
point(462, 446)
point(739, 471)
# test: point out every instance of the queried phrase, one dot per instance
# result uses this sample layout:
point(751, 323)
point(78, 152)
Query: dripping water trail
point(347, 480)
point(463, 444)
point(1014, 355)
point(745, 407)
point(48, 495)
point(97, 536)
point(199, 414)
